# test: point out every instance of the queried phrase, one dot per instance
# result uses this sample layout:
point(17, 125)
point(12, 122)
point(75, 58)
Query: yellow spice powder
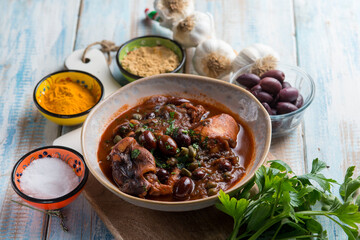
point(148, 61)
point(66, 97)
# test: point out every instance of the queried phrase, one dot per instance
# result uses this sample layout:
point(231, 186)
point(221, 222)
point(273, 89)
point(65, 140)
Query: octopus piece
point(133, 170)
point(196, 113)
point(221, 127)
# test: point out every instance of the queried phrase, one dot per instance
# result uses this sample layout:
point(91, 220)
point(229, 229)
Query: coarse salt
point(48, 178)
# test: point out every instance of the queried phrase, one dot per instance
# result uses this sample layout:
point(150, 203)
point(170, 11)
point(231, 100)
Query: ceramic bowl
point(70, 156)
point(84, 79)
point(148, 41)
point(235, 98)
point(285, 123)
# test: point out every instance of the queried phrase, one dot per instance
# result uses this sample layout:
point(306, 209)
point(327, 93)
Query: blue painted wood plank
point(35, 37)
point(328, 46)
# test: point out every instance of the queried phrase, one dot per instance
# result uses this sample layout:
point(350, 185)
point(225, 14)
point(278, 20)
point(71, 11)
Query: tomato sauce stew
point(175, 149)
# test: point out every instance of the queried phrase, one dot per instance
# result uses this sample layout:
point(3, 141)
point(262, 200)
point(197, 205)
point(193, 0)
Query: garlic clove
point(171, 11)
point(264, 55)
point(213, 58)
point(194, 29)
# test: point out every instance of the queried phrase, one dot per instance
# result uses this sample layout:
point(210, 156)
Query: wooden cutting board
point(127, 221)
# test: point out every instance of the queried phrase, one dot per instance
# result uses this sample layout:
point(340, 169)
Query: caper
point(184, 151)
point(212, 191)
point(227, 176)
point(192, 166)
point(211, 184)
point(117, 139)
point(185, 172)
point(192, 152)
point(171, 162)
point(137, 116)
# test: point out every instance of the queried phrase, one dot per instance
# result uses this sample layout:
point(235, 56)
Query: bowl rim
point(129, 74)
point(51, 200)
point(117, 191)
point(298, 69)
point(64, 116)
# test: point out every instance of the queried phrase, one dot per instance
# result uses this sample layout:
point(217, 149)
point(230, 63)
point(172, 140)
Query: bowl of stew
point(171, 142)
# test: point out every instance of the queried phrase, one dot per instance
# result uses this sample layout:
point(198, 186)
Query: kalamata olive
point(148, 140)
point(178, 101)
point(256, 88)
point(263, 96)
point(181, 138)
point(289, 94)
point(167, 145)
point(299, 101)
point(286, 84)
point(198, 174)
point(183, 188)
point(267, 107)
point(274, 111)
point(150, 115)
point(225, 165)
point(270, 85)
point(274, 101)
point(285, 107)
point(248, 79)
point(162, 175)
point(277, 74)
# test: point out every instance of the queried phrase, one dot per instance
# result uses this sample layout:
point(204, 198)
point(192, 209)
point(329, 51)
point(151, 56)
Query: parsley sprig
point(284, 207)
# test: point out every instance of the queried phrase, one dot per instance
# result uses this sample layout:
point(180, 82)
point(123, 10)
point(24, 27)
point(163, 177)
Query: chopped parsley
point(185, 131)
point(131, 125)
point(195, 145)
point(170, 129)
point(135, 153)
point(172, 115)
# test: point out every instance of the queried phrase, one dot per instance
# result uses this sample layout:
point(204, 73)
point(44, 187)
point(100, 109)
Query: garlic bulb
point(213, 58)
point(194, 29)
point(264, 58)
point(171, 11)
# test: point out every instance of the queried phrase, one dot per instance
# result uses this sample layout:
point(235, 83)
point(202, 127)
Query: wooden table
point(322, 37)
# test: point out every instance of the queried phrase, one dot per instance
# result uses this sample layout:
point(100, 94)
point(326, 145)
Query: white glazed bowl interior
point(238, 100)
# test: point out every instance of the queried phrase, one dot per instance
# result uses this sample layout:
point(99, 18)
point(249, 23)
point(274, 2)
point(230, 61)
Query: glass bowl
point(285, 123)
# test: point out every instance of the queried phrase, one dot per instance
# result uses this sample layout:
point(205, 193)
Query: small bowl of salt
point(50, 177)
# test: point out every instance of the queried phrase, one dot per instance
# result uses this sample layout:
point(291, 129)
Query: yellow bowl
point(82, 78)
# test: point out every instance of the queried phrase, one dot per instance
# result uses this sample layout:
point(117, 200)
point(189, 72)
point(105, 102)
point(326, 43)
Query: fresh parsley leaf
point(135, 153)
point(283, 206)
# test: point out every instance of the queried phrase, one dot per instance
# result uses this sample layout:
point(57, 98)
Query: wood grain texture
point(35, 37)
point(329, 45)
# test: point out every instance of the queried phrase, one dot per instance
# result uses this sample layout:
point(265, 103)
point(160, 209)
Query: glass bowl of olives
point(284, 92)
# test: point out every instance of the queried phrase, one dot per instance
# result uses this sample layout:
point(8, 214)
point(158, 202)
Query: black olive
point(148, 140)
point(183, 188)
point(182, 138)
point(162, 175)
point(198, 174)
point(167, 145)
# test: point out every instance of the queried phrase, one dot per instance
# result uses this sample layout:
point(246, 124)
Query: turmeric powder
point(67, 98)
